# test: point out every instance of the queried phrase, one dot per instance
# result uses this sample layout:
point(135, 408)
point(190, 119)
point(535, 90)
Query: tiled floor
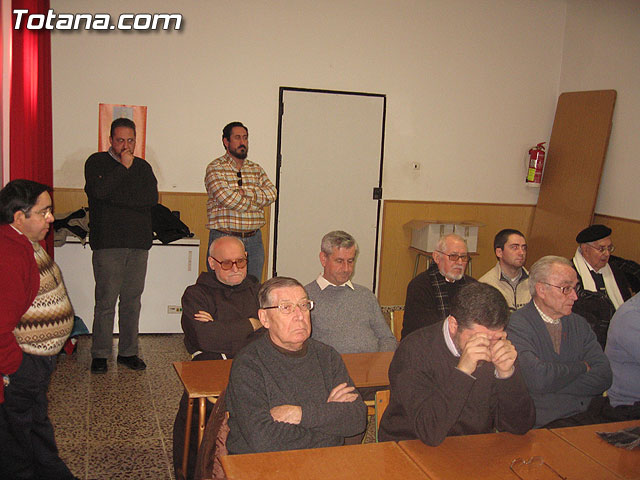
point(118, 425)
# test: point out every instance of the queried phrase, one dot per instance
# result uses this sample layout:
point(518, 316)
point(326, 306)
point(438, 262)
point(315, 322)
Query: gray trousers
point(119, 274)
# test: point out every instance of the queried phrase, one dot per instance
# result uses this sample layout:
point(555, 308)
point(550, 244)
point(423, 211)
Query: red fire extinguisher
point(536, 165)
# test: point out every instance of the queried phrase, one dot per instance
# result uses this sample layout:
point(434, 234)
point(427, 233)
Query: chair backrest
point(397, 318)
point(382, 401)
point(214, 442)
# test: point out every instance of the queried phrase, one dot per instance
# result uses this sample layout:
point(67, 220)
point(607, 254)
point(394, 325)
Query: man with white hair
point(429, 294)
point(562, 364)
point(603, 288)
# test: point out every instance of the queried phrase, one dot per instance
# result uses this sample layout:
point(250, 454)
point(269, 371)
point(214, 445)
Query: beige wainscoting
point(397, 261)
point(625, 236)
point(192, 208)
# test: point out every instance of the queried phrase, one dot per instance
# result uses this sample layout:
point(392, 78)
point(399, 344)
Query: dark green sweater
point(262, 378)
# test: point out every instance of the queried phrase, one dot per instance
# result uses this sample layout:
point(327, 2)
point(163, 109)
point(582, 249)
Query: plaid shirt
point(231, 209)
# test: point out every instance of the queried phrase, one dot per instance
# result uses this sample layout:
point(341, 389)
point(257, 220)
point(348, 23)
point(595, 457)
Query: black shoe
point(133, 362)
point(99, 365)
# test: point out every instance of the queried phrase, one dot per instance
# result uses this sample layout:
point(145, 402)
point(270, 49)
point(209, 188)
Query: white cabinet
point(171, 269)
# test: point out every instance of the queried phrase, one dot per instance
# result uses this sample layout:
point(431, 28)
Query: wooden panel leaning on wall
point(397, 262)
point(192, 208)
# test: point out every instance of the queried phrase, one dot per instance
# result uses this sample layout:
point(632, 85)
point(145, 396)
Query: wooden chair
point(208, 466)
point(397, 318)
point(382, 401)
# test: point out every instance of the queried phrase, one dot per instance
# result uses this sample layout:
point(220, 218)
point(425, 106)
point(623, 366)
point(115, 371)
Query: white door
point(330, 148)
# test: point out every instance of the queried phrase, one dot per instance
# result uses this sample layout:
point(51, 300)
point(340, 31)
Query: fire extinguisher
point(536, 165)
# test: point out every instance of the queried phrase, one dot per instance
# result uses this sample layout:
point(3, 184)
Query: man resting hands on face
point(459, 376)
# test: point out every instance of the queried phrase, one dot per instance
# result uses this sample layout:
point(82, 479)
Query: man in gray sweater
point(346, 316)
point(287, 391)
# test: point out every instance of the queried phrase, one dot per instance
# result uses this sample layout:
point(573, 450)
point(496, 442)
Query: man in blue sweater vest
point(346, 316)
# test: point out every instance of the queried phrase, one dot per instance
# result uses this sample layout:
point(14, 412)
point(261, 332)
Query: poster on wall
point(110, 112)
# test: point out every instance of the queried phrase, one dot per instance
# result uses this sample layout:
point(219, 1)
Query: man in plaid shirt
point(238, 191)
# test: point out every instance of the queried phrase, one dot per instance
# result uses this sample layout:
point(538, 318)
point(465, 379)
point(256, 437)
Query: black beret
point(593, 233)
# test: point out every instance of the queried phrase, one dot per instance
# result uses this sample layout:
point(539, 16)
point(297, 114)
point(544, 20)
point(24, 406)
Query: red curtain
point(30, 129)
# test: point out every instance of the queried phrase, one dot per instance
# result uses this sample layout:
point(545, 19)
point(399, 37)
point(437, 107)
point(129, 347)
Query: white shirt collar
point(545, 317)
point(447, 338)
point(324, 283)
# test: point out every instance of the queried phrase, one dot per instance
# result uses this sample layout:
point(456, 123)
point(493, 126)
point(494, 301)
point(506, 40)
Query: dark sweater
point(596, 307)
point(120, 202)
point(230, 306)
point(431, 399)
point(262, 378)
point(422, 305)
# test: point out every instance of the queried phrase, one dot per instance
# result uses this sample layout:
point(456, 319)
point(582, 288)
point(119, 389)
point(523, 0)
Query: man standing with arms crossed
point(121, 189)
point(238, 191)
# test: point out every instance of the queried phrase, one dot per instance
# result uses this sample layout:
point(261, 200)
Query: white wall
point(602, 51)
point(470, 85)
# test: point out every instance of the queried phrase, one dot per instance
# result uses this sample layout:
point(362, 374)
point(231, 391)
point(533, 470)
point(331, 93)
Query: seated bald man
point(287, 391)
point(219, 317)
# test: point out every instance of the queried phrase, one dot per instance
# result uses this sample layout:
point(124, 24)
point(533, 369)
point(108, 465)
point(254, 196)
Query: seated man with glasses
point(287, 391)
point(429, 294)
point(219, 317)
point(603, 288)
point(562, 363)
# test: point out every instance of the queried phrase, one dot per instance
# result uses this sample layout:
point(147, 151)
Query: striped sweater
point(46, 325)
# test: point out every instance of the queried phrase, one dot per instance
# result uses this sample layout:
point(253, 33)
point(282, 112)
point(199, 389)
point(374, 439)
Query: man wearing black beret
point(603, 288)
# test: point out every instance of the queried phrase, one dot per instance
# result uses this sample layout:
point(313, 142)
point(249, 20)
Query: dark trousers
point(27, 443)
point(595, 413)
point(119, 274)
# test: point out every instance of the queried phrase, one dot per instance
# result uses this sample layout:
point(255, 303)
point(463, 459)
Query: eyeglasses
point(609, 248)
point(454, 257)
point(228, 264)
point(239, 175)
point(564, 290)
point(535, 467)
point(121, 141)
point(287, 308)
point(44, 213)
